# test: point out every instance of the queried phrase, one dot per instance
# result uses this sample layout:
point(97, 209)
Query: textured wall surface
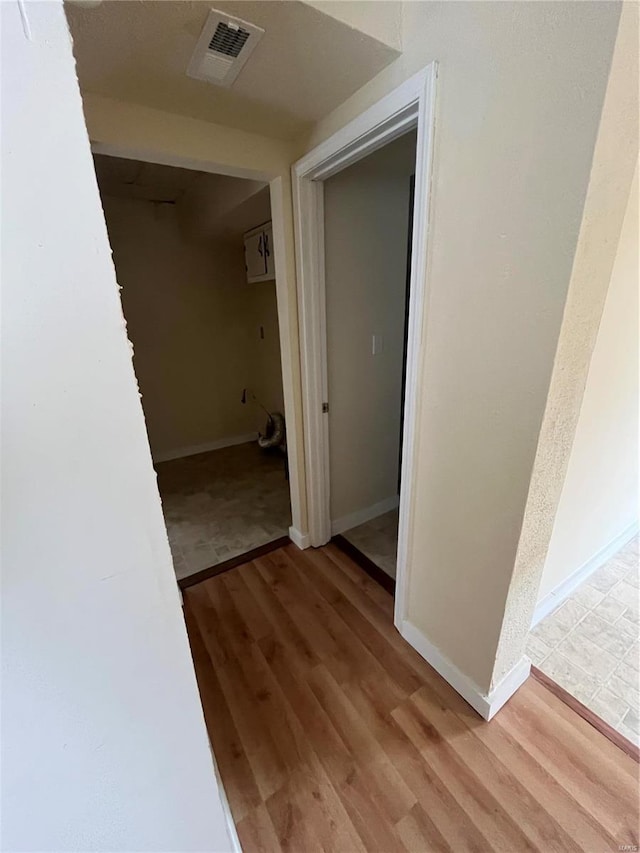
point(611, 174)
point(599, 500)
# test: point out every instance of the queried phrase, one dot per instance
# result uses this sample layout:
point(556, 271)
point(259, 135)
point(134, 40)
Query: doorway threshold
point(587, 714)
point(233, 562)
point(374, 571)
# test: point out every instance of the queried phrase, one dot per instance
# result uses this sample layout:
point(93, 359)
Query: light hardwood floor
point(332, 734)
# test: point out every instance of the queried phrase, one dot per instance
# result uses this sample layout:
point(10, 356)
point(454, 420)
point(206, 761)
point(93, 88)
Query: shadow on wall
point(200, 332)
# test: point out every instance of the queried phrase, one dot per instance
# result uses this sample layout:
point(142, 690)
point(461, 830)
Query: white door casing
point(411, 105)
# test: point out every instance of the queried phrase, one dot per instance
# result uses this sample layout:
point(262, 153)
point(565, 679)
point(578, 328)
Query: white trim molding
point(486, 704)
point(361, 516)
point(560, 593)
point(302, 540)
point(308, 211)
point(226, 809)
point(411, 105)
point(180, 452)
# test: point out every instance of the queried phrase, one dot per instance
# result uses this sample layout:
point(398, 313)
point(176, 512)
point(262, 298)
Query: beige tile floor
point(378, 540)
point(220, 504)
point(589, 645)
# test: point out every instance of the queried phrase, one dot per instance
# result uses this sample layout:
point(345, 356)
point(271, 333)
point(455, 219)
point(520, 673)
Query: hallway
point(331, 733)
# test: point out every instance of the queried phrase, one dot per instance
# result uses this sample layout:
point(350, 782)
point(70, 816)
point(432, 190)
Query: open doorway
point(194, 257)
point(408, 110)
point(367, 227)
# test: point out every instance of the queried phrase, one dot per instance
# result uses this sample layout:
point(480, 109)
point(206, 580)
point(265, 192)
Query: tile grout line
point(614, 595)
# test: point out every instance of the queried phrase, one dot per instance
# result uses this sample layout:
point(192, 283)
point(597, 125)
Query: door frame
point(279, 203)
point(411, 105)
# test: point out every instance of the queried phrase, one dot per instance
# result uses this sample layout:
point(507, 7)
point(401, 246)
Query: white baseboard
point(554, 599)
point(226, 809)
point(502, 692)
point(486, 704)
point(347, 522)
point(302, 540)
point(180, 452)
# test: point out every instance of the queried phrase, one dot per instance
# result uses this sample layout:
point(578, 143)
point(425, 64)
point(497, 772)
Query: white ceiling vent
point(224, 46)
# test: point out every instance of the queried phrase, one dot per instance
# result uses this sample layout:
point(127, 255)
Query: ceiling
point(135, 179)
point(209, 206)
point(305, 65)
point(256, 210)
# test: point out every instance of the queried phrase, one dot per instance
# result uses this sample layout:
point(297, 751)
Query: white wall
point(599, 499)
point(195, 327)
point(103, 741)
point(266, 373)
point(366, 233)
point(520, 93)
point(382, 21)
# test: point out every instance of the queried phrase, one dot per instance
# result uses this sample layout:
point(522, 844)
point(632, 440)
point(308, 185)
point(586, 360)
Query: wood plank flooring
point(332, 734)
